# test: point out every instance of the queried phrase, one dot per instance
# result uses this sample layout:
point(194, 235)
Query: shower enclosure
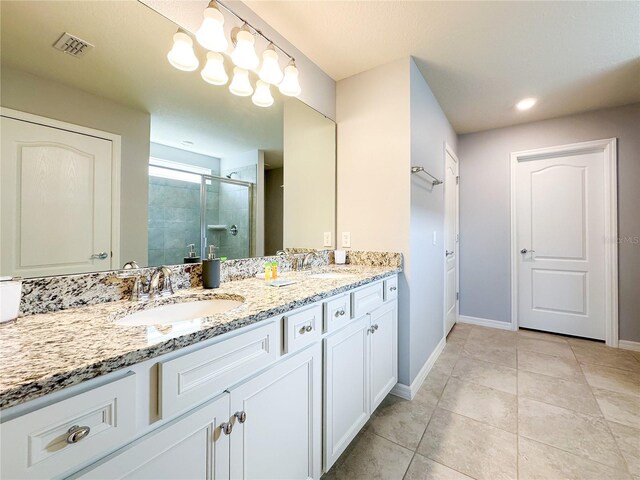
point(190, 207)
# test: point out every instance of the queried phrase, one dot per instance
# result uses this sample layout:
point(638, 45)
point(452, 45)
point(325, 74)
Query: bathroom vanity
point(274, 388)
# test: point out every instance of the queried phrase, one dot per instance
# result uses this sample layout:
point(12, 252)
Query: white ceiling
point(479, 58)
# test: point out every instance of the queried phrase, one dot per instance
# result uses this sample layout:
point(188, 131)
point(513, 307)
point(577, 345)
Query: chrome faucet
point(158, 288)
point(306, 259)
point(289, 256)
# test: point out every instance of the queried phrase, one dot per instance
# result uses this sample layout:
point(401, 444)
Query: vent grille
point(74, 46)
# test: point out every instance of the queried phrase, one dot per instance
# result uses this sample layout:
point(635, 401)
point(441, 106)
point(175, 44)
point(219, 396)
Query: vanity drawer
point(337, 312)
point(390, 288)
point(367, 299)
point(302, 328)
point(189, 380)
point(39, 444)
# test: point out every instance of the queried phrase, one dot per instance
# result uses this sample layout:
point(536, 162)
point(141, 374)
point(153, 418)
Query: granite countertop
point(47, 352)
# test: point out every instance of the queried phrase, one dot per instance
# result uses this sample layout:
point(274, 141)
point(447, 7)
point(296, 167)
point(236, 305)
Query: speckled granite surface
point(40, 354)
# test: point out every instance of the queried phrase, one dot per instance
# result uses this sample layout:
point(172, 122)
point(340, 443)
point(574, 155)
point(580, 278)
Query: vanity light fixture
point(181, 55)
point(211, 33)
point(262, 97)
point(244, 53)
point(214, 72)
point(290, 85)
point(526, 103)
point(240, 85)
point(270, 71)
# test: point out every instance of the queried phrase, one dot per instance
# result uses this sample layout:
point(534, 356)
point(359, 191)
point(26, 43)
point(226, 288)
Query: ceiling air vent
point(74, 46)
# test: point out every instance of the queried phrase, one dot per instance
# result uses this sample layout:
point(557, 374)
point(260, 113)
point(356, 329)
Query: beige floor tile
point(619, 407)
point(373, 457)
point(612, 379)
point(500, 354)
point(402, 421)
point(493, 336)
point(470, 447)
point(537, 461)
point(433, 385)
point(586, 342)
point(488, 374)
point(550, 337)
point(544, 346)
point(448, 358)
point(583, 435)
point(559, 367)
point(571, 395)
point(608, 357)
point(628, 440)
point(423, 468)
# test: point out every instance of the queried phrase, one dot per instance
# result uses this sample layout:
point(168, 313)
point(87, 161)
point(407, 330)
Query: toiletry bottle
point(211, 269)
point(267, 271)
point(191, 254)
point(274, 270)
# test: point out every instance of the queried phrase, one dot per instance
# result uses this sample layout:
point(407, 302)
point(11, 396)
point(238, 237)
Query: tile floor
point(504, 405)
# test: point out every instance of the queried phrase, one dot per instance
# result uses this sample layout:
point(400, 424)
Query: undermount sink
point(179, 312)
point(330, 275)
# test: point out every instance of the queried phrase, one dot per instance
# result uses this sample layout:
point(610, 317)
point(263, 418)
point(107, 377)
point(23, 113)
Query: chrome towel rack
point(435, 181)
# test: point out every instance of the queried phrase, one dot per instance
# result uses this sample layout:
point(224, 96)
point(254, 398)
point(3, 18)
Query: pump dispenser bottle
point(191, 254)
point(211, 269)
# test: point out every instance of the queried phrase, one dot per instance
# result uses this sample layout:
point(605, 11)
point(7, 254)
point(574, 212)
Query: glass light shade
point(214, 72)
point(290, 85)
point(240, 85)
point(262, 97)
point(181, 55)
point(270, 71)
point(211, 34)
point(244, 55)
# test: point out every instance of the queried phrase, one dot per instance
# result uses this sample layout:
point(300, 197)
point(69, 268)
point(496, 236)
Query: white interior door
point(451, 240)
point(56, 201)
point(560, 241)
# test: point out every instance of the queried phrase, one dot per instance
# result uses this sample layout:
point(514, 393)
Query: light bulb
point(244, 55)
point(270, 71)
point(262, 97)
point(181, 55)
point(211, 34)
point(214, 72)
point(240, 85)
point(526, 103)
point(290, 85)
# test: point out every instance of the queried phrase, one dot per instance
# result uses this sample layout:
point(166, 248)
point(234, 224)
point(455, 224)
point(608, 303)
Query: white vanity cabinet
point(360, 369)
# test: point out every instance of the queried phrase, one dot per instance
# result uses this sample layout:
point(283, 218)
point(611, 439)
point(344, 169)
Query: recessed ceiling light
point(187, 143)
point(526, 103)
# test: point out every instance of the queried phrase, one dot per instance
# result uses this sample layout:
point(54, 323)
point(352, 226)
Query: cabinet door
point(384, 351)
point(346, 387)
point(281, 435)
point(191, 447)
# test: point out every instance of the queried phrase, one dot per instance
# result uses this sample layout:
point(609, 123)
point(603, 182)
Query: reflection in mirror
point(113, 155)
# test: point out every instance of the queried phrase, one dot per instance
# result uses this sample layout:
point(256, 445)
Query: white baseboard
point(409, 391)
point(629, 345)
point(485, 322)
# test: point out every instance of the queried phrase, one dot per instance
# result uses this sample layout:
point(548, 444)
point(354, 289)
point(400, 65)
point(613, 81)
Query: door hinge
point(457, 179)
point(457, 295)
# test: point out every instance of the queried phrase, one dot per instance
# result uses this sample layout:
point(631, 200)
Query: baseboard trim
point(629, 345)
point(409, 391)
point(485, 322)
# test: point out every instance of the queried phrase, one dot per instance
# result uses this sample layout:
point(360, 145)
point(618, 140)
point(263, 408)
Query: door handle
point(99, 256)
point(448, 253)
point(525, 251)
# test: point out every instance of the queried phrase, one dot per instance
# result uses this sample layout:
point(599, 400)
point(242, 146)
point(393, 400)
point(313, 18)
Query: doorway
point(563, 240)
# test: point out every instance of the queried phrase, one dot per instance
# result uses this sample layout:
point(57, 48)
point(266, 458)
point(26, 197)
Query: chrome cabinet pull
point(77, 433)
point(375, 327)
point(339, 313)
point(241, 416)
point(309, 328)
point(305, 329)
point(393, 289)
point(99, 256)
point(226, 428)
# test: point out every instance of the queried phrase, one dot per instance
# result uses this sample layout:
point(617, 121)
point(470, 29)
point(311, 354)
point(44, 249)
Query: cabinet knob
point(375, 327)
point(342, 312)
point(339, 313)
point(77, 433)
point(371, 330)
point(226, 428)
point(241, 416)
point(308, 328)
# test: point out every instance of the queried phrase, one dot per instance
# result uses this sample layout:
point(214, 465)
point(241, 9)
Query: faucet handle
point(167, 284)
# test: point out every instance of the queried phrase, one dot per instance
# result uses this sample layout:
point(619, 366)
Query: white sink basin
point(179, 312)
point(330, 275)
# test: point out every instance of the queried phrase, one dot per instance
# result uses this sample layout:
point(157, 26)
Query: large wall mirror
point(114, 155)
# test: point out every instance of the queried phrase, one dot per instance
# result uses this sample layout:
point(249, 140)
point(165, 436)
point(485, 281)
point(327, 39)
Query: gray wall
point(273, 205)
point(28, 93)
point(485, 207)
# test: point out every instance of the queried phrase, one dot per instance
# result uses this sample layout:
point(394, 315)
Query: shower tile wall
point(174, 220)
point(234, 209)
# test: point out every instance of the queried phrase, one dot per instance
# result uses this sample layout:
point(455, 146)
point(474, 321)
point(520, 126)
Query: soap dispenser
point(211, 269)
point(191, 254)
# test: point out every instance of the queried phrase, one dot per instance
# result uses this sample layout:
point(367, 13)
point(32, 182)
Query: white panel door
point(383, 352)
point(192, 447)
point(346, 380)
point(560, 234)
point(451, 241)
point(56, 200)
point(281, 437)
